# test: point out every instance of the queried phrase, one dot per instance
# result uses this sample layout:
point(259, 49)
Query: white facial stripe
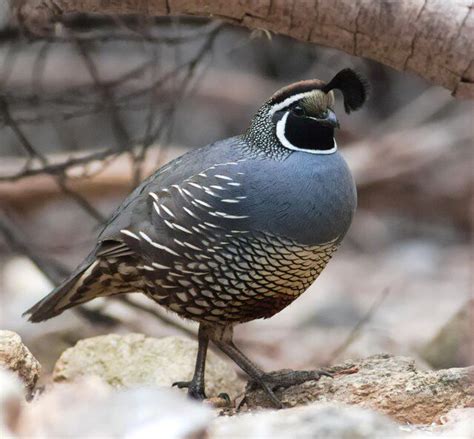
point(280, 132)
point(289, 101)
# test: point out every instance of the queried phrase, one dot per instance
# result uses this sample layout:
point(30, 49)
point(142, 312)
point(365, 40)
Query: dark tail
point(61, 298)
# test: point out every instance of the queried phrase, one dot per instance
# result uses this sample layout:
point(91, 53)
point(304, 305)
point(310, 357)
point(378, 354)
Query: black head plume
point(353, 86)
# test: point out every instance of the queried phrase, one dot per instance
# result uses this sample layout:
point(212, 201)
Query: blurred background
point(87, 113)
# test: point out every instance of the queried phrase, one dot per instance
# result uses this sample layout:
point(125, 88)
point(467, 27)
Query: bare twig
point(15, 238)
point(34, 154)
point(108, 100)
point(61, 168)
point(163, 318)
point(352, 336)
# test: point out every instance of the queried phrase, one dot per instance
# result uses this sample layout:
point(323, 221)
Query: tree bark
point(432, 38)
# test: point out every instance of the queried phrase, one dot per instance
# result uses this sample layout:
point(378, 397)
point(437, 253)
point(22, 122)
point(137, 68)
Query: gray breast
point(308, 198)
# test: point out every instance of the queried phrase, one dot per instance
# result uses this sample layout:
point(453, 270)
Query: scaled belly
point(250, 277)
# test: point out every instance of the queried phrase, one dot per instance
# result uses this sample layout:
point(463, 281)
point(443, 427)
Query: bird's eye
point(298, 111)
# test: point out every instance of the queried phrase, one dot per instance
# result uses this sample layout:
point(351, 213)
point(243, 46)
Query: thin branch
point(24, 142)
point(155, 313)
point(121, 134)
point(354, 333)
point(61, 168)
point(34, 154)
point(15, 238)
point(102, 29)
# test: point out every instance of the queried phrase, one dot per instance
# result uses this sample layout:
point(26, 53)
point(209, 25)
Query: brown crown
point(296, 88)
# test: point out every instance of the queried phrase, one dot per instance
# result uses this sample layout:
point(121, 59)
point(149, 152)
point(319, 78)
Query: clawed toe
point(225, 397)
point(288, 378)
point(324, 373)
point(181, 384)
point(194, 391)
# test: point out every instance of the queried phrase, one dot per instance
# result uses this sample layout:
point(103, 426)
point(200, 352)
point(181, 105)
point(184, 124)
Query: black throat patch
point(305, 133)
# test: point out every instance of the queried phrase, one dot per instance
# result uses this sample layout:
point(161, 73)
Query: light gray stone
point(134, 359)
point(16, 357)
point(390, 385)
point(317, 420)
point(88, 408)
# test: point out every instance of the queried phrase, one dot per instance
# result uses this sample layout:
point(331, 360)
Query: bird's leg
point(223, 340)
point(267, 381)
point(255, 374)
point(196, 385)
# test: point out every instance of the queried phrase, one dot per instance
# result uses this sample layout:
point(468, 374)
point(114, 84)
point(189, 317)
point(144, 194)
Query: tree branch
point(428, 37)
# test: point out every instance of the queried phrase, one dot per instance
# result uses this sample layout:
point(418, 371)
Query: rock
point(387, 384)
point(452, 346)
point(11, 398)
point(318, 420)
point(134, 359)
point(15, 356)
point(90, 408)
point(458, 423)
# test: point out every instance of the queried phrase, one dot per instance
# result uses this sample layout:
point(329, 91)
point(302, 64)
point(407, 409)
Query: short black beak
point(330, 120)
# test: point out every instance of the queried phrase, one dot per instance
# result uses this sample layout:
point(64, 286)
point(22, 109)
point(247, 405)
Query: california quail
point(234, 231)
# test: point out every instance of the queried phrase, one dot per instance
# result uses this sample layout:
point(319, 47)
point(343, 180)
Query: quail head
point(234, 231)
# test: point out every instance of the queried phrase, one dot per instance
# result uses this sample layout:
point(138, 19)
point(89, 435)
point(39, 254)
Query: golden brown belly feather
point(249, 278)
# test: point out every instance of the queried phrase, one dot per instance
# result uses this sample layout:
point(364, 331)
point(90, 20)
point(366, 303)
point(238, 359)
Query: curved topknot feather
point(353, 86)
